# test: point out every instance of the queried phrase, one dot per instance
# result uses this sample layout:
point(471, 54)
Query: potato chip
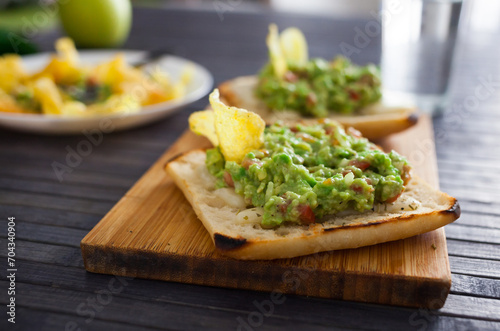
point(236, 131)
point(239, 131)
point(276, 56)
point(203, 123)
point(294, 46)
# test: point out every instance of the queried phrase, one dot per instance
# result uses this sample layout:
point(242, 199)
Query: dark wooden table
point(53, 290)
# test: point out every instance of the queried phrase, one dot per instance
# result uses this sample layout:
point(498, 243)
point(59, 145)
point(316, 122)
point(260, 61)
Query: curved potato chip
point(203, 123)
point(238, 130)
point(294, 46)
point(276, 56)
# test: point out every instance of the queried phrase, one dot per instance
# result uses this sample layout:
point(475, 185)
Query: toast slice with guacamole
point(236, 229)
point(278, 191)
point(291, 87)
point(374, 121)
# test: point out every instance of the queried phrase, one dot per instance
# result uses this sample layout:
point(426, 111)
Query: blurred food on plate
point(70, 88)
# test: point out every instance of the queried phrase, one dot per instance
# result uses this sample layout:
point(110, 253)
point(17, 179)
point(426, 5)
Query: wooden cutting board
point(152, 232)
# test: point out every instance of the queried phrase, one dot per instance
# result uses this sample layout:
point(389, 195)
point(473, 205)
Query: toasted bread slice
point(374, 122)
point(236, 231)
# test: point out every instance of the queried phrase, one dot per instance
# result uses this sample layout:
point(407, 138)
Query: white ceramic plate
point(200, 85)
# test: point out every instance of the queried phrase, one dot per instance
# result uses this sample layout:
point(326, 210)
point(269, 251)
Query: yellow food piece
point(203, 123)
point(61, 72)
point(12, 72)
point(239, 131)
point(67, 51)
point(65, 78)
point(276, 56)
point(47, 93)
point(123, 104)
point(8, 104)
point(236, 131)
point(52, 102)
point(73, 108)
point(289, 47)
point(63, 68)
point(294, 46)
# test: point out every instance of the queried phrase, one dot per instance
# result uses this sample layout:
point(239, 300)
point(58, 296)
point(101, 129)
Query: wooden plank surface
point(153, 233)
point(54, 286)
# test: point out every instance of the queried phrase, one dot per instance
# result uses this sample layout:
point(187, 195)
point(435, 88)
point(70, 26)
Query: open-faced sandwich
point(292, 88)
point(285, 191)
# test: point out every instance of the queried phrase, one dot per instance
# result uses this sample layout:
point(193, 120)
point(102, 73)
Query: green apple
point(96, 23)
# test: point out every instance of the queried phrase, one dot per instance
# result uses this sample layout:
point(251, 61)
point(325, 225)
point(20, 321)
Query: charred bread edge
point(226, 243)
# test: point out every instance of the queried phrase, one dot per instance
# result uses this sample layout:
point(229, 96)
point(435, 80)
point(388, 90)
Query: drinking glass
point(418, 42)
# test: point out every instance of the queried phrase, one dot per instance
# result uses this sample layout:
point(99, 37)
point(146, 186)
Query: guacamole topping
point(318, 87)
point(303, 173)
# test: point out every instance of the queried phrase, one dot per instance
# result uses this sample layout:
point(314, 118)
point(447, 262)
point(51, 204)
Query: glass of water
point(418, 41)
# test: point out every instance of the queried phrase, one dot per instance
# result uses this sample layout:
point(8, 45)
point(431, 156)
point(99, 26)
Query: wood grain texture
point(153, 233)
point(52, 279)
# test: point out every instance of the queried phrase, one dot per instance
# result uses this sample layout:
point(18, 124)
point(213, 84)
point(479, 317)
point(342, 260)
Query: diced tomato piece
point(363, 165)
point(91, 81)
point(353, 95)
point(353, 132)
point(228, 179)
point(306, 214)
point(357, 188)
point(248, 162)
point(406, 174)
point(294, 129)
point(291, 77)
point(394, 198)
point(284, 206)
point(311, 99)
point(346, 171)
point(306, 137)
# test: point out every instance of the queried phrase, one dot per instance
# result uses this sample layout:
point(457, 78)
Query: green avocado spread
point(303, 173)
point(319, 87)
